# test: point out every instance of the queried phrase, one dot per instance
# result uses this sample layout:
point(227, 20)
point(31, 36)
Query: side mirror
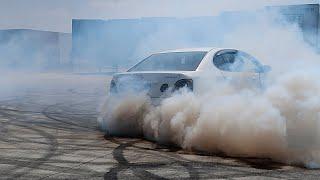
point(263, 69)
point(266, 69)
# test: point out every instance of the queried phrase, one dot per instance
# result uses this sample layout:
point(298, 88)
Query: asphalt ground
point(51, 133)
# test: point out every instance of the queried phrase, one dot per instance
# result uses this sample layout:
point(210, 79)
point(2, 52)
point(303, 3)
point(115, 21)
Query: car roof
point(205, 49)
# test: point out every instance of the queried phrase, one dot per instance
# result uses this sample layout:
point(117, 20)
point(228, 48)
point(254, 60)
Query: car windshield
point(174, 61)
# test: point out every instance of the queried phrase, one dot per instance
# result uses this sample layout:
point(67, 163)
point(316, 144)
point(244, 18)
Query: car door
point(239, 68)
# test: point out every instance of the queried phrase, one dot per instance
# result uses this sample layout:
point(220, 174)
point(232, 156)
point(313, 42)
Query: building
point(123, 42)
point(65, 49)
point(114, 43)
point(306, 16)
point(34, 49)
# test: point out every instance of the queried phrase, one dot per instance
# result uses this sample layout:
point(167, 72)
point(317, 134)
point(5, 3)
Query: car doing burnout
point(172, 70)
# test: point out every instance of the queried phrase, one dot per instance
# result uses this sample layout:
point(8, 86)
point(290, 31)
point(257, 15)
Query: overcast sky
point(56, 15)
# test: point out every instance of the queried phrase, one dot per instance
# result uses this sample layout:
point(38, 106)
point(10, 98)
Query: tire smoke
point(281, 123)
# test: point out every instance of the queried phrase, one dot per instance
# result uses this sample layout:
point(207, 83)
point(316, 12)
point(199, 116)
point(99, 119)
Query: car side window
point(224, 61)
point(235, 61)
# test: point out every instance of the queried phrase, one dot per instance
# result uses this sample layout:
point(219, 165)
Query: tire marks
point(61, 140)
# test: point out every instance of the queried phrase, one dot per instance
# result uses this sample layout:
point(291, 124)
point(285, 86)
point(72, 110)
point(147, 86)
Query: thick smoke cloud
point(281, 122)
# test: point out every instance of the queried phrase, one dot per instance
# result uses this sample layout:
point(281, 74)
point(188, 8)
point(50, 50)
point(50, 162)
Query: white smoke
point(281, 122)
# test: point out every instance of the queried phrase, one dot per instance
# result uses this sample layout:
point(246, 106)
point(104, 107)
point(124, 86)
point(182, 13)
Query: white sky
point(56, 15)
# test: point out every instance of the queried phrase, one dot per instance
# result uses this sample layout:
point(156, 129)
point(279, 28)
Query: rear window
point(174, 61)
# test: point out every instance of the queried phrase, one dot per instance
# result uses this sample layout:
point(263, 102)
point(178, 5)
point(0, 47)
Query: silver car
point(168, 71)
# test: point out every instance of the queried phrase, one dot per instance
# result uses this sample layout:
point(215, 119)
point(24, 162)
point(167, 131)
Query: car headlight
point(184, 83)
